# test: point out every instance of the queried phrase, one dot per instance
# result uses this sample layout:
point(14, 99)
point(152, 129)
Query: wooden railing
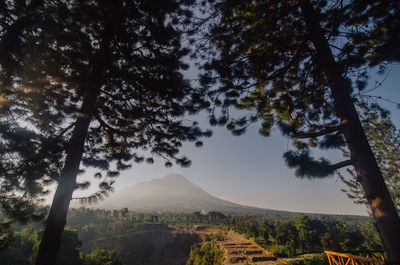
point(348, 259)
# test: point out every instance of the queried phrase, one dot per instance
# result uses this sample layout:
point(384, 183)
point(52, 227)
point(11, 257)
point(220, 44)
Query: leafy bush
point(316, 260)
point(101, 257)
point(284, 251)
point(206, 254)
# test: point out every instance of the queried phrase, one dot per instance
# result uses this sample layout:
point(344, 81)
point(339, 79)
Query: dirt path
point(239, 250)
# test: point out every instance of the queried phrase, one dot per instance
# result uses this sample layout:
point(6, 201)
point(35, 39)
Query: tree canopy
point(92, 83)
point(299, 65)
point(87, 81)
point(102, 257)
point(264, 61)
point(27, 166)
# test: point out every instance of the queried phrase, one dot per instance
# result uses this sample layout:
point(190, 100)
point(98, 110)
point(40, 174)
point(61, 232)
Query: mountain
point(175, 193)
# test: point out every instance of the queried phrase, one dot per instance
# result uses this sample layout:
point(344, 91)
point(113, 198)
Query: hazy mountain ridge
point(175, 193)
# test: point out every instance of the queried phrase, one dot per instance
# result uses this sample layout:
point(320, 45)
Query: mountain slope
point(174, 193)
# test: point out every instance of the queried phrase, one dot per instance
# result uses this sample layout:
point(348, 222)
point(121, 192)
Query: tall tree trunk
point(51, 239)
point(50, 244)
point(368, 172)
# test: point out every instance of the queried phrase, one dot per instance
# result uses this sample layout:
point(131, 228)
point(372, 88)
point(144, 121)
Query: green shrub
point(316, 260)
point(101, 257)
point(206, 254)
point(280, 251)
point(285, 251)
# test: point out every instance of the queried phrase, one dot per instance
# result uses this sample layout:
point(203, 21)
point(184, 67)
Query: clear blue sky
point(249, 169)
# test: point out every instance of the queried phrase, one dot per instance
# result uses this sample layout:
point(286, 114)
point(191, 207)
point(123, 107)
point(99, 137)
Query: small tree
point(309, 231)
point(384, 139)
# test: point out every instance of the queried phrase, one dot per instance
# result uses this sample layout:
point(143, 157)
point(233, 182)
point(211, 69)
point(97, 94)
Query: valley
point(170, 221)
point(170, 244)
point(148, 244)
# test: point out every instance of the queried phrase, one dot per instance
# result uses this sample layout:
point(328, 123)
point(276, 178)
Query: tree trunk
point(50, 244)
point(368, 172)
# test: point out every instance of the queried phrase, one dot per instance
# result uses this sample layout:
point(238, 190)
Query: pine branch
point(105, 190)
point(282, 70)
point(66, 130)
point(341, 164)
point(110, 128)
point(104, 124)
point(319, 133)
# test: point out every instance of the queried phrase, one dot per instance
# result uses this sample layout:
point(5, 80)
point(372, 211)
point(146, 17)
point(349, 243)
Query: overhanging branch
point(66, 130)
point(105, 125)
point(342, 164)
point(319, 133)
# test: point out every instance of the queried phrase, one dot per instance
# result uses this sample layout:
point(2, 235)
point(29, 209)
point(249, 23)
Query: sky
point(250, 170)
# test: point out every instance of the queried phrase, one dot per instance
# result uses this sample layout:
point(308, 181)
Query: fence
point(349, 259)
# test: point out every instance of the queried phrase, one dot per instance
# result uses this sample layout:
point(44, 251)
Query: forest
point(92, 88)
point(95, 237)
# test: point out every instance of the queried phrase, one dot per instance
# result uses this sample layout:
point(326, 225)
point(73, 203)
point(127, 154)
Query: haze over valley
point(175, 193)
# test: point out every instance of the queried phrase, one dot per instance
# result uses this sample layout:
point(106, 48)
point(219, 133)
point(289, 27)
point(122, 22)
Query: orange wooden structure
point(348, 259)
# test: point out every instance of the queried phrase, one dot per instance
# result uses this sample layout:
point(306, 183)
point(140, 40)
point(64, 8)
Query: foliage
point(383, 33)
point(205, 254)
point(316, 260)
point(52, 86)
point(101, 257)
point(299, 66)
point(264, 62)
point(285, 237)
point(304, 234)
point(95, 83)
point(29, 159)
point(81, 217)
point(24, 151)
point(20, 249)
point(69, 249)
point(384, 139)
point(23, 249)
point(309, 232)
point(283, 251)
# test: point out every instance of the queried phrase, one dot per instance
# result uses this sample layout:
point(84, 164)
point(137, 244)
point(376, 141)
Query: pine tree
point(94, 82)
point(384, 139)
point(21, 184)
point(299, 65)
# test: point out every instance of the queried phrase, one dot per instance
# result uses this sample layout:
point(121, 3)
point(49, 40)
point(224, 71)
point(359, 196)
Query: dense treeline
point(285, 237)
point(92, 224)
point(84, 216)
point(23, 249)
point(304, 234)
point(90, 228)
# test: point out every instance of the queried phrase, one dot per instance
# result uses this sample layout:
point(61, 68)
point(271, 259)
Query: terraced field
point(238, 250)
